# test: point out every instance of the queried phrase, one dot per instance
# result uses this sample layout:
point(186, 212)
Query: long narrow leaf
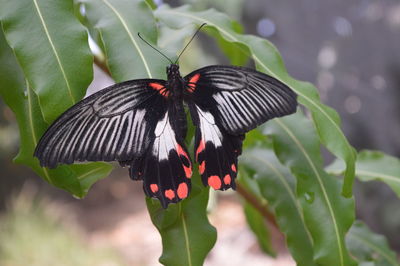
point(119, 23)
point(368, 246)
point(187, 235)
point(327, 213)
point(374, 165)
point(277, 186)
point(268, 60)
point(52, 48)
point(23, 101)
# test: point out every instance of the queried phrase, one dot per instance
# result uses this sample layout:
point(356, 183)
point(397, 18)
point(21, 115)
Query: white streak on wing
point(127, 117)
point(114, 136)
point(220, 98)
point(134, 138)
point(165, 139)
point(161, 125)
point(209, 130)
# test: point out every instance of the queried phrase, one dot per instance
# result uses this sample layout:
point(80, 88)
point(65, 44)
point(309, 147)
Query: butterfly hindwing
point(240, 98)
point(216, 151)
point(166, 166)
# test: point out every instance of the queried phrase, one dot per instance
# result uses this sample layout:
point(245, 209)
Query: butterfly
point(142, 124)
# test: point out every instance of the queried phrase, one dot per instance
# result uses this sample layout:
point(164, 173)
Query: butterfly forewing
point(240, 98)
point(116, 123)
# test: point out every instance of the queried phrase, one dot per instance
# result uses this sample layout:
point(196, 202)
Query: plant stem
point(102, 65)
point(256, 204)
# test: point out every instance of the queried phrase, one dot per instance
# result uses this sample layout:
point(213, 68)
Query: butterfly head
point(173, 71)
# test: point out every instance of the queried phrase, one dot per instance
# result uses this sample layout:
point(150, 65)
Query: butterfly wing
point(129, 122)
point(166, 165)
point(216, 151)
point(116, 123)
point(226, 102)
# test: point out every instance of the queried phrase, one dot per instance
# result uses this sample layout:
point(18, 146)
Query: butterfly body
point(142, 124)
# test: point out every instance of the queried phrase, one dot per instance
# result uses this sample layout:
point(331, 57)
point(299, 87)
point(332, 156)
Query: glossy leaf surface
point(17, 94)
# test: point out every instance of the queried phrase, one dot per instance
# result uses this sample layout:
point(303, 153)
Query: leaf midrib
point(374, 247)
point(119, 16)
point(326, 197)
point(377, 175)
point(54, 50)
point(186, 235)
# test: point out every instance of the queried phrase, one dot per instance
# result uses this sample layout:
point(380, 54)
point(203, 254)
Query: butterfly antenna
point(154, 48)
point(194, 35)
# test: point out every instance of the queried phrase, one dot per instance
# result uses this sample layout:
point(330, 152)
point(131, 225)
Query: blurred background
point(348, 49)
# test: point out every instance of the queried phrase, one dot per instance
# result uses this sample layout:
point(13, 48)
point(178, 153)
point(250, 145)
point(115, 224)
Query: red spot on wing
point(227, 179)
point(160, 88)
point(233, 166)
point(214, 181)
point(200, 148)
point(188, 171)
point(154, 188)
point(192, 82)
point(156, 86)
point(195, 78)
point(202, 167)
point(170, 194)
point(181, 151)
point(183, 190)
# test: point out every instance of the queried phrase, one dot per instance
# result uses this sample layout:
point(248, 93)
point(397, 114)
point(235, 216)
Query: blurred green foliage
point(32, 234)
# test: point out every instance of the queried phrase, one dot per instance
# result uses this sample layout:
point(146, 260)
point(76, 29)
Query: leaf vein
point(54, 50)
point(119, 16)
point(326, 198)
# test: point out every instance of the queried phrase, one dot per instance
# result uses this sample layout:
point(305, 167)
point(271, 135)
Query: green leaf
point(328, 215)
point(118, 23)
point(151, 4)
point(368, 246)
point(52, 48)
point(374, 165)
point(16, 93)
point(268, 60)
point(258, 225)
point(187, 235)
point(277, 186)
point(236, 56)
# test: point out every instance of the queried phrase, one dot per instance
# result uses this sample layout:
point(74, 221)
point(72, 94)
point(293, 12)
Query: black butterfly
point(142, 124)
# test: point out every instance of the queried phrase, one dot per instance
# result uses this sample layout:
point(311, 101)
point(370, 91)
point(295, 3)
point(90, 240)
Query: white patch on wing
point(165, 139)
point(209, 130)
